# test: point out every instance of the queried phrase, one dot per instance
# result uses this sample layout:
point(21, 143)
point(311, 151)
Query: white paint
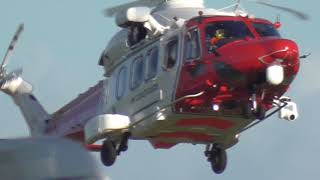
point(134, 14)
point(97, 127)
point(289, 112)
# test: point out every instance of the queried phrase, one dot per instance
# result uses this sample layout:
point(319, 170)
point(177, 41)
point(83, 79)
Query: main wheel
point(218, 160)
point(108, 153)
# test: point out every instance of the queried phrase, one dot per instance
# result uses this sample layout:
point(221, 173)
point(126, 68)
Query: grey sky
point(59, 51)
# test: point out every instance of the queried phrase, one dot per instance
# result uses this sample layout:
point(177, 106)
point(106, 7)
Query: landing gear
point(108, 153)
point(253, 110)
point(123, 146)
point(217, 157)
point(110, 149)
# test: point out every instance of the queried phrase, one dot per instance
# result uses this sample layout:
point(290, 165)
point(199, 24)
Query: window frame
point(148, 61)
point(142, 59)
point(165, 65)
point(125, 70)
point(199, 43)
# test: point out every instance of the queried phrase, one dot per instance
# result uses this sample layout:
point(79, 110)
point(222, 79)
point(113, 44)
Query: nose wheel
point(217, 157)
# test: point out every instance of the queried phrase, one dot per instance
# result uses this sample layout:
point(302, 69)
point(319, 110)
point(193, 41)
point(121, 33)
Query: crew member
point(218, 36)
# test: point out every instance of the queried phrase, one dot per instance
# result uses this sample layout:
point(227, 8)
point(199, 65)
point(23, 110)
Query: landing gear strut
point(217, 157)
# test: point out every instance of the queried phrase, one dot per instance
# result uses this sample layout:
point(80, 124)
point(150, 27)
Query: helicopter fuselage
point(179, 88)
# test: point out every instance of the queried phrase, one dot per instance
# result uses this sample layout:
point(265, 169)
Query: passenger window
point(192, 45)
point(121, 82)
point(152, 63)
point(137, 72)
point(171, 53)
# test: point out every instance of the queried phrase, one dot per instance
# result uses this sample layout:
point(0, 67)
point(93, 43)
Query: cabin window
point(137, 72)
point(121, 82)
point(136, 33)
point(192, 45)
point(171, 53)
point(266, 30)
point(223, 32)
point(152, 63)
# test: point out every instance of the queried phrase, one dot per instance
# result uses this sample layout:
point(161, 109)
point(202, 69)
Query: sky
point(59, 51)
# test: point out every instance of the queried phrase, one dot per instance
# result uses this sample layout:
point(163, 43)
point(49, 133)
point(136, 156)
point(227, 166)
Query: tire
point(218, 160)
point(108, 153)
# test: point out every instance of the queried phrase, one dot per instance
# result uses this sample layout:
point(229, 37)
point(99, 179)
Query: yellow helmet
point(219, 33)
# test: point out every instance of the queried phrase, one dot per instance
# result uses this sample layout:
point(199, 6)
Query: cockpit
point(223, 32)
point(217, 32)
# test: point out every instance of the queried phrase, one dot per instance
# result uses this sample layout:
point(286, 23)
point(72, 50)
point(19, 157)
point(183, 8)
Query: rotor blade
point(294, 12)
point(109, 12)
point(12, 46)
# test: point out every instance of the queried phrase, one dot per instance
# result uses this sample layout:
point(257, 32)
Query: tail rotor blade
point(12, 46)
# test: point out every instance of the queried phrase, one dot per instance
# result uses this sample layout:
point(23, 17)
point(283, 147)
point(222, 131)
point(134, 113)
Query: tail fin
point(33, 112)
point(21, 92)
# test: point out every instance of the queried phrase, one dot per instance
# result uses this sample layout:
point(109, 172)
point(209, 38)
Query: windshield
point(223, 32)
point(266, 30)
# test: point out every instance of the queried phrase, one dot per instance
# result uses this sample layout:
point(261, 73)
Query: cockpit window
point(192, 45)
point(266, 30)
point(171, 55)
point(223, 32)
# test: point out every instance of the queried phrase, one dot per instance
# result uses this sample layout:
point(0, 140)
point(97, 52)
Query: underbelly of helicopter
point(193, 129)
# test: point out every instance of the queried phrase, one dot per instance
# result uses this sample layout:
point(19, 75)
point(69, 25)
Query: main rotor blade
point(296, 13)
point(12, 46)
point(109, 12)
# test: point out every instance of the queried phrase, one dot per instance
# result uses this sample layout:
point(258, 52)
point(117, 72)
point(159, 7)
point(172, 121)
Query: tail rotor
point(3, 72)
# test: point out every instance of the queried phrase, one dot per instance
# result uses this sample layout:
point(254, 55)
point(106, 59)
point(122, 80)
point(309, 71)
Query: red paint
point(200, 137)
point(277, 25)
point(194, 102)
point(223, 89)
point(93, 147)
point(163, 145)
point(209, 83)
point(213, 123)
point(237, 67)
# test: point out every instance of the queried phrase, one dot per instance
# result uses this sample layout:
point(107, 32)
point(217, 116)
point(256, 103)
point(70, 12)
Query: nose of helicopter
point(281, 51)
point(281, 61)
point(272, 61)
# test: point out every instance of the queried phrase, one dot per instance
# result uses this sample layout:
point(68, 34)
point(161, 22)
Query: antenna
point(237, 5)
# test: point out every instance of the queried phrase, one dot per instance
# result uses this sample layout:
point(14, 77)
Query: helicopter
point(177, 72)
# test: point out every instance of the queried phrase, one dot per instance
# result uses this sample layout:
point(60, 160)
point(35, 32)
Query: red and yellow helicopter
point(177, 73)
